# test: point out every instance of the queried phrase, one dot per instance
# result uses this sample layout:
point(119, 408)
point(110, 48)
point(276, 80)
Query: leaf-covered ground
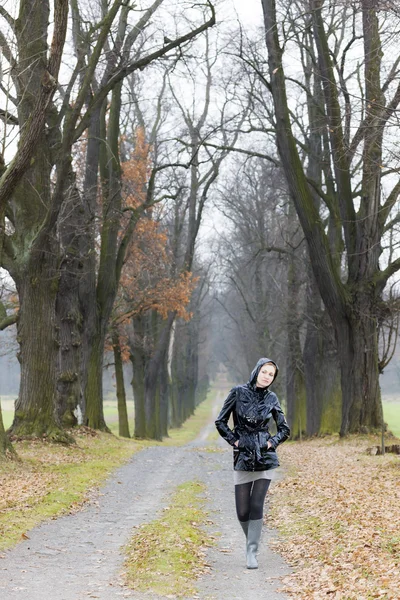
point(338, 510)
point(51, 479)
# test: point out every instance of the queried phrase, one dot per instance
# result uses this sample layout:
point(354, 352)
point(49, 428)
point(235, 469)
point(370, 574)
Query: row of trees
point(95, 190)
point(288, 131)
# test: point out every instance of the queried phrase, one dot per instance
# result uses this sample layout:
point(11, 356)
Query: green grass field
point(391, 411)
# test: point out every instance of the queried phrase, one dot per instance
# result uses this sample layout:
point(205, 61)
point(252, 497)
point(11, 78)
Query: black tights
point(250, 498)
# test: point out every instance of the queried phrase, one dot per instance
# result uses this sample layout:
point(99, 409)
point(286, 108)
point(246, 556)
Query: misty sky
point(249, 11)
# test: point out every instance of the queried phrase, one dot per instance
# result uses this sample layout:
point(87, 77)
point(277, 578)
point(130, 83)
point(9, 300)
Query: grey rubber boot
point(245, 526)
point(253, 540)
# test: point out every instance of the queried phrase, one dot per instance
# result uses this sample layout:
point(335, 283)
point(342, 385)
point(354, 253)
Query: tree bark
point(123, 421)
point(152, 382)
point(68, 313)
point(138, 360)
point(36, 406)
point(321, 367)
point(295, 384)
point(87, 283)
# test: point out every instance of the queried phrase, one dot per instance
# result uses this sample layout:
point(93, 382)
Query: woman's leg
point(242, 500)
point(257, 498)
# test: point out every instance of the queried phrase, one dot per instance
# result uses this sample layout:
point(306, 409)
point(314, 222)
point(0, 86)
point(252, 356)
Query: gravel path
point(79, 556)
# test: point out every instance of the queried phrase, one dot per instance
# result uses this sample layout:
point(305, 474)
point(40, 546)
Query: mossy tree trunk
point(36, 407)
point(88, 236)
point(295, 384)
point(68, 311)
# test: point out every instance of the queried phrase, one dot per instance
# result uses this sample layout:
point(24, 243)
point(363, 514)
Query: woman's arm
point(222, 421)
point(283, 430)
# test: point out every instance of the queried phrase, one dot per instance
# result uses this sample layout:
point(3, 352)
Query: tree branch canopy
point(139, 64)
point(34, 126)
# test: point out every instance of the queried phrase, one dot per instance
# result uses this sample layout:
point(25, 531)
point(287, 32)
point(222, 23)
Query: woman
point(252, 405)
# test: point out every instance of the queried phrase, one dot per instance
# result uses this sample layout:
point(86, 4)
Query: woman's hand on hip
point(236, 443)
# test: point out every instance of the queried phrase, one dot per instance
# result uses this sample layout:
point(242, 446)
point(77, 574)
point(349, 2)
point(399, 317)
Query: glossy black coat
point(252, 409)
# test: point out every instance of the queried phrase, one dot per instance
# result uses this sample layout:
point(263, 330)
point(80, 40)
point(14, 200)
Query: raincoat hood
point(254, 374)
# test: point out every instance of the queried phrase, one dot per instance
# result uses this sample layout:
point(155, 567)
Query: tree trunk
point(94, 386)
point(36, 406)
point(358, 356)
point(123, 421)
point(68, 314)
point(321, 369)
point(179, 377)
point(152, 382)
point(87, 283)
point(138, 360)
point(164, 397)
point(295, 385)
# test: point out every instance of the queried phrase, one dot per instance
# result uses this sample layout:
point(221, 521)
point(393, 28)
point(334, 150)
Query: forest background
point(189, 192)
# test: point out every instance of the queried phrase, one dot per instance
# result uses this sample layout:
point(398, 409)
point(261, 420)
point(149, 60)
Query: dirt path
point(79, 556)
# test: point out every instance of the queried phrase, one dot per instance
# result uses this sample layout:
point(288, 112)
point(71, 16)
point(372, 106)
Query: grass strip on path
point(338, 514)
point(166, 555)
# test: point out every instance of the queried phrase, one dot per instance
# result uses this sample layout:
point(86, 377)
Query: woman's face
point(266, 375)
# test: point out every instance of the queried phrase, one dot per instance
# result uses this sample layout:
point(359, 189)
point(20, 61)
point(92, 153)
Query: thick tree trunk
point(322, 376)
point(152, 382)
point(358, 356)
point(321, 366)
point(87, 283)
point(68, 314)
point(123, 421)
point(36, 406)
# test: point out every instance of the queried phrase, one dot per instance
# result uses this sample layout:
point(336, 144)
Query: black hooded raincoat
point(251, 409)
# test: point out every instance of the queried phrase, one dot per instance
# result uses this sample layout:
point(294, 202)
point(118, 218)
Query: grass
point(7, 409)
point(167, 554)
point(193, 425)
point(391, 413)
point(177, 436)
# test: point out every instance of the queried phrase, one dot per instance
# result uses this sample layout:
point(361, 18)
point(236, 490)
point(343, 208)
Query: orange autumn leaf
point(136, 170)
